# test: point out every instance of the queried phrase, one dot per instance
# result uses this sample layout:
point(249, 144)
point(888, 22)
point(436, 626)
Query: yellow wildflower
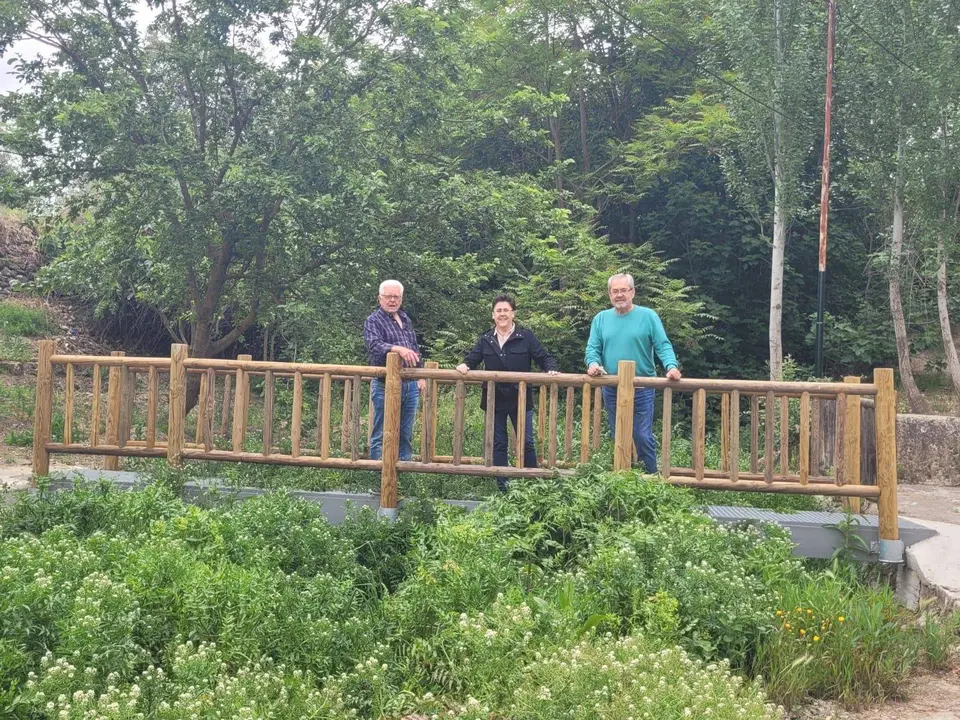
point(802, 631)
point(840, 618)
point(816, 638)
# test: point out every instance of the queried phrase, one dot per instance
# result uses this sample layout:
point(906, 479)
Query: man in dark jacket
point(508, 347)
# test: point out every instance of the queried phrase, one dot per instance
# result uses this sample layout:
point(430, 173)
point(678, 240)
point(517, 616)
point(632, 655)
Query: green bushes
point(603, 595)
point(23, 321)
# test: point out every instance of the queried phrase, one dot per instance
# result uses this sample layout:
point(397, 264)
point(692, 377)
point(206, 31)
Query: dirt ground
point(931, 697)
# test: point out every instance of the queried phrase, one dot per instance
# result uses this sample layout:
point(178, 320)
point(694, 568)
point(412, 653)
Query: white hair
point(391, 283)
point(621, 276)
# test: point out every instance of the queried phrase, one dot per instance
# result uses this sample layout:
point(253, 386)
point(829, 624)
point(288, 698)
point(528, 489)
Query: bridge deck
point(815, 533)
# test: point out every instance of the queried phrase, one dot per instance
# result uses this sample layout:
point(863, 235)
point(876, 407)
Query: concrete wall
point(928, 450)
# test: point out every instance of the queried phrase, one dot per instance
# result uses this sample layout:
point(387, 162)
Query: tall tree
point(774, 50)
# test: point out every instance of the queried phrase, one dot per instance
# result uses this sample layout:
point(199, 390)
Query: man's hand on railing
point(673, 374)
point(553, 372)
point(595, 369)
point(463, 369)
point(409, 357)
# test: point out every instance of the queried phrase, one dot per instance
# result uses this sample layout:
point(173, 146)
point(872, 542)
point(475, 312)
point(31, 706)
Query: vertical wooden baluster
point(852, 445)
point(355, 419)
point(597, 412)
point(370, 415)
point(699, 432)
point(568, 425)
point(724, 430)
point(521, 422)
point(345, 416)
point(769, 412)
point(68, 407)
point(784, 436)
point(815, 435)
point(488, 422)
point(153, 394)
point(241, 406)
point(95, 409)
point(428, 440)
point(542, 421)
point(211, 409)
point(667, 422)
point(552, 430)
point(297, 420)
point(268, 400)
point(734, 428)
point(325, 398)
point(225, 407)
point(201, 410)
point(585, 398)
point(459, 401)
point(839, 448)
point(804, 449)
point(754, 433)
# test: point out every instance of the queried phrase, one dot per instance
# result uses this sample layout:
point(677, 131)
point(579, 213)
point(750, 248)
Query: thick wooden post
point(391, 437)
point(114, 400)
point(667, 423)
point(851, 446)
point(176, 431)
point(623, 442)
point(886, 424)
point(43, 410)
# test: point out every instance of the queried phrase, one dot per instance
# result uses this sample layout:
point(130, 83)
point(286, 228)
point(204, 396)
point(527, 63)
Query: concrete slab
point(935, 565)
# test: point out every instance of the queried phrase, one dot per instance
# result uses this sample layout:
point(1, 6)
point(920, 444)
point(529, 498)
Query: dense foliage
point(597, 596)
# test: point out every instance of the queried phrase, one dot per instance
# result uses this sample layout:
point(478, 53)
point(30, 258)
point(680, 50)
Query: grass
point(18, 322)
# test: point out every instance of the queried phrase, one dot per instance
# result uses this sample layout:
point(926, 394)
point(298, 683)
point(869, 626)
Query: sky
point(27, 48)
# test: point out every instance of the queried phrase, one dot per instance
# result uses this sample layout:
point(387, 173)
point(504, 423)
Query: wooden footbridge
point(132, 416)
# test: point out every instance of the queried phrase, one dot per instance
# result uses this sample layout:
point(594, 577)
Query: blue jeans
point(642, 423)
point(500, 440)
point(409, 400)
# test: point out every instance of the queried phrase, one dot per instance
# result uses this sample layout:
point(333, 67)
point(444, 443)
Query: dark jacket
point(516, 355)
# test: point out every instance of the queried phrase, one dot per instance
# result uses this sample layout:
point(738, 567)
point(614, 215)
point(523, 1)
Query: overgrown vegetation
point(602, 595)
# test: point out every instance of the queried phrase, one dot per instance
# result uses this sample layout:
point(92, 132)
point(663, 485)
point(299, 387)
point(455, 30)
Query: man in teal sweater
point(630, 332)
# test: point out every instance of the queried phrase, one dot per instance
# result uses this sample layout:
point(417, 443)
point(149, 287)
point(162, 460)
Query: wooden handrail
point(794, 473)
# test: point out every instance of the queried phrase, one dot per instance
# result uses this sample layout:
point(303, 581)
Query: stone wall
point(928, 449)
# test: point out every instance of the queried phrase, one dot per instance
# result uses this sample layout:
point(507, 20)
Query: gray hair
point(620, 276)
point(392, 283)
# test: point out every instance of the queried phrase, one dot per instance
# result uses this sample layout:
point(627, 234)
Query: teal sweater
point(634, 336)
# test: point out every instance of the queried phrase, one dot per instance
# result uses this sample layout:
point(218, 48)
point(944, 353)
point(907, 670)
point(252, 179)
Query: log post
point(391, 438)
point(667, 423)
point(241, 406)
point(623, 442)
point(891, 548)
point(114, 400)
point(43, 410)
point(176, 432)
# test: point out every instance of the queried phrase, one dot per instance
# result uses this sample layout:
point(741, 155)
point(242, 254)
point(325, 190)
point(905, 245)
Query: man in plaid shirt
point(388, 329)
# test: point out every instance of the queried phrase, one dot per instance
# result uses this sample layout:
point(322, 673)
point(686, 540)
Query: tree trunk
point(916, 401)
point(943, 311)
point(780, 215)
point(776, 284)
point(557, 156)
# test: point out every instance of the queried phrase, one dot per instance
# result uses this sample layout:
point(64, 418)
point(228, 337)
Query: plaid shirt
point(381, 332)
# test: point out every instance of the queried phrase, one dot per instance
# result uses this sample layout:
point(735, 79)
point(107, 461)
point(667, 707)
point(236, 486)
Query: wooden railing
point(567, 404)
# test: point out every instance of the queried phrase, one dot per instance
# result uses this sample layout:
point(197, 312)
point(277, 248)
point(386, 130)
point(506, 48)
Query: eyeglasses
point(621, 291)
point(392, 297)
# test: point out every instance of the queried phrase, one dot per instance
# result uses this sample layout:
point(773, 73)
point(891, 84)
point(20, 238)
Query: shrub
point(23, 321)
point(617, 679)
point(839, 640)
